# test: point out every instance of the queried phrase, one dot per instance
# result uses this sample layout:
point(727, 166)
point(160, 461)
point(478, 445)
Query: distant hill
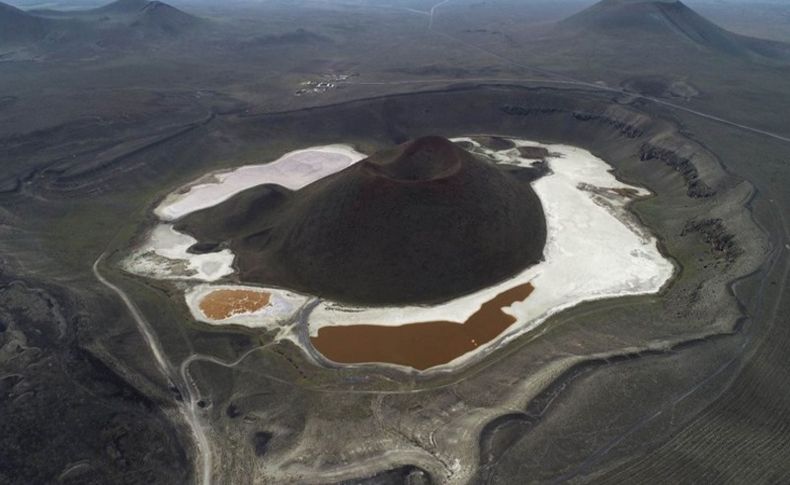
point(159, 17)
point(117, 8)
point(19, 27)
point(671, 19)
point(121, 6)
point(118, 24)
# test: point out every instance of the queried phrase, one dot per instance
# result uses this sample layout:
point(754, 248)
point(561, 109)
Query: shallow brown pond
point(222, 304)
point(420, 345)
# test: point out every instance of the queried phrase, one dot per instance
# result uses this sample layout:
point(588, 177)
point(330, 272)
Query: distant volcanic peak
point(637, 14)
point(4, 7)
point(670, 19)
point(163, 18)
point(160, 6)
point(426, 159)
point(147, 9)
point(124, 6)
point(164, 10)
point(9, 12)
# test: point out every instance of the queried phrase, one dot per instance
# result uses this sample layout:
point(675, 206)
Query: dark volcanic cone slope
point(158, 17)
point(423, 222)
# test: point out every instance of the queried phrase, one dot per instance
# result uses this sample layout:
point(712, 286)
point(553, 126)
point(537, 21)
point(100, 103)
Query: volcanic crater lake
point(595, 248)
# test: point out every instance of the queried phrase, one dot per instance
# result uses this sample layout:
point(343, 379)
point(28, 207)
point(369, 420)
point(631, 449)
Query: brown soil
point(222, 304)
point(420, 345)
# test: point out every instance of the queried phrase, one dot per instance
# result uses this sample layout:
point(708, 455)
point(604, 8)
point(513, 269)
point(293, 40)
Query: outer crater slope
point(422, 222)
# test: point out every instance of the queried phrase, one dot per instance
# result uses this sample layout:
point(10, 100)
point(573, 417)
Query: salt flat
point(293, 171)
point(164, 256)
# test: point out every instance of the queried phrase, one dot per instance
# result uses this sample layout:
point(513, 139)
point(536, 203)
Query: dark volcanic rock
point(533, 152)
point(722, 243)
point(423, 222)
point(204, 247)
point(232, 411)
point(529, 174)
point(627, 129)
point(260, 441)
point(696, 187)
point(494, 142)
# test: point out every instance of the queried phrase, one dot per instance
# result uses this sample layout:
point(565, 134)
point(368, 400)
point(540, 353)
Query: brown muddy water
point(420, 345)
point(222, 304)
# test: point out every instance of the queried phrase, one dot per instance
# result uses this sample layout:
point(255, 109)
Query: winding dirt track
point(188, 407)
point(432, 13)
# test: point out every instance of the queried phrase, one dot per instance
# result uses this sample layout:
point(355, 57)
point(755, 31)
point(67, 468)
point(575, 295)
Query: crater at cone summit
point(424, 221)
point(426, 159)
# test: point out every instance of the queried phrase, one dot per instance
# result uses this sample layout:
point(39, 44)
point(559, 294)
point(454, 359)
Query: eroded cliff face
point(697, 188)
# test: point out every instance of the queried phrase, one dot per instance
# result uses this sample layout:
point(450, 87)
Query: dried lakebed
point(595, 249)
